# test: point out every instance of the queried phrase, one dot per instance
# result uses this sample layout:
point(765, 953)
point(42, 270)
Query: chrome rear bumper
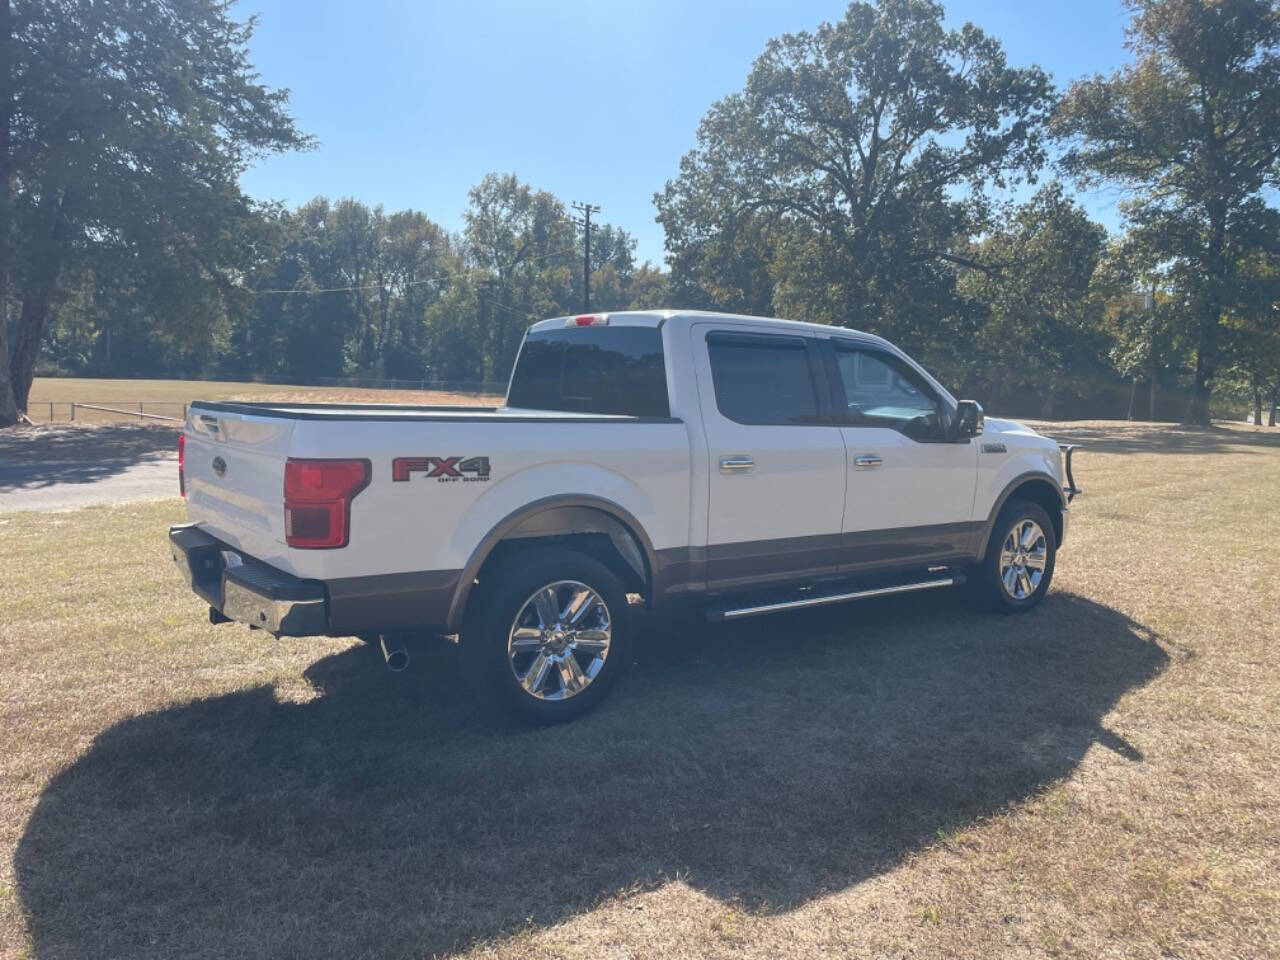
point(246, 590)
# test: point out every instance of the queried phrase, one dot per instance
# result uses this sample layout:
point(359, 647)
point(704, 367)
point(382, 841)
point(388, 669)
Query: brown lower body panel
point(391, 602)
point(728, 567)
point(421, 601)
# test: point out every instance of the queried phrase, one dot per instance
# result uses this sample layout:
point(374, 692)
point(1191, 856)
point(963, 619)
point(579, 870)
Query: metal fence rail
point(167, 411)
point(128, 413)
point(363, 383)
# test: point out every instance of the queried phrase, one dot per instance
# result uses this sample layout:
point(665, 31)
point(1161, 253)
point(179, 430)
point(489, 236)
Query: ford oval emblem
point(219, 466)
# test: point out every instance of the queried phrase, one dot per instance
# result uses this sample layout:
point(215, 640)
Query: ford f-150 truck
point(740, 464)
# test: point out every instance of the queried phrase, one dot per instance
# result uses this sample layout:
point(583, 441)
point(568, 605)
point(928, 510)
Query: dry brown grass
point(166, 397)
point(1099, 778)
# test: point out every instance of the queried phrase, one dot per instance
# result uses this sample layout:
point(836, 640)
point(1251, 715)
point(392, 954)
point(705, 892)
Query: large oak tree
point(1192, 130)
point(127, 124)
point(849, 163)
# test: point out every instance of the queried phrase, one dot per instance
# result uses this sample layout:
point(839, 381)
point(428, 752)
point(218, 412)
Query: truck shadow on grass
point(765, 763)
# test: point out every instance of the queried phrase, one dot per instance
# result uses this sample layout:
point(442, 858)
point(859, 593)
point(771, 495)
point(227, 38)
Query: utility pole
point(1151, 350)
point(586, 209)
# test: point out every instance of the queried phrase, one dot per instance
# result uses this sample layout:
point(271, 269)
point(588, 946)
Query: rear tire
point(1018, 566)
point(547, 634)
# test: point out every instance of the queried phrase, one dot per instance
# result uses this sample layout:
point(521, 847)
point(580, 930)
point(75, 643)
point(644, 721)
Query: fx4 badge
point(442, 469)
point(994, 448)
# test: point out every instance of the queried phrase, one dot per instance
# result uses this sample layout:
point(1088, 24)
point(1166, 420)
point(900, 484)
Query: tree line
point(341, 289)
point(882, 171)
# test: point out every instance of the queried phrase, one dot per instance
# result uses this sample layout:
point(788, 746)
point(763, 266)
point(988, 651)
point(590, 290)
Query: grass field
point(1099, 778)
point(167, 397)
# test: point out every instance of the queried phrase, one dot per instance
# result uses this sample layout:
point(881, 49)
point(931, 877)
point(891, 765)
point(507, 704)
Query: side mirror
point(969, 418)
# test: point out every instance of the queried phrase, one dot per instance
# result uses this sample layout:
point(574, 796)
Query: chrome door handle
point(865, 461)
point(738, 464)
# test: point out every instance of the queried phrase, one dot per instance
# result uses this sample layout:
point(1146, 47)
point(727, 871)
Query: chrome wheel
point(1023, 556)
point(559, 640)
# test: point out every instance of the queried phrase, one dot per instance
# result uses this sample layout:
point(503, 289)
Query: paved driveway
point(64, 467)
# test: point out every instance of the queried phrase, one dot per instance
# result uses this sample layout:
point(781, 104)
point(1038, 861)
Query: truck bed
point(411, 522)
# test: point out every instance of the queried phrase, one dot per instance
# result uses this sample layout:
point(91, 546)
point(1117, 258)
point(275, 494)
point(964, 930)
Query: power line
point(511, 310)
point(542, 256)
point(303, 291)
point(306, 291)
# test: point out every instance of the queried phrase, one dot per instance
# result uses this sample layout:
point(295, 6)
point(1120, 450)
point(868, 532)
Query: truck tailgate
point(235, 479)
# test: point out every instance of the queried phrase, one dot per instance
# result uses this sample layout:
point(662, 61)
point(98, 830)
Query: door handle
point(865, 461)
point(736, 464)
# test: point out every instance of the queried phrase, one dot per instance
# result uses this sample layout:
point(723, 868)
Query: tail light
point(317, 501)
point(182, 461)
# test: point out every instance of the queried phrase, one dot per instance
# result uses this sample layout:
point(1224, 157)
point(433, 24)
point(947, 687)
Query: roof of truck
point(653, 318)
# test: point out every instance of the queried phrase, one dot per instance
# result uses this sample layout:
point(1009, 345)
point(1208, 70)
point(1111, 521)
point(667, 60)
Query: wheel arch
point(594, 525)
point(1039, 488)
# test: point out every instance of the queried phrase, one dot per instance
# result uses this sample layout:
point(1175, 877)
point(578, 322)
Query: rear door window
point(614, 371)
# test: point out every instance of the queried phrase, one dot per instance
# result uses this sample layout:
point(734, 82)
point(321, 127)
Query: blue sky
point(413, 102)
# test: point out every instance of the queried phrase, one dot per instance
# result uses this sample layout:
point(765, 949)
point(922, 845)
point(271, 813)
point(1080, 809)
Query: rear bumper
point(246, 590)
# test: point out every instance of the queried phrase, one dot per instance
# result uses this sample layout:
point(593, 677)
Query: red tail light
point(182, 461)
point(317, 501)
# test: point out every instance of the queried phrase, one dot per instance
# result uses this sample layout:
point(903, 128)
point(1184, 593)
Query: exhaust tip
point(394, 653)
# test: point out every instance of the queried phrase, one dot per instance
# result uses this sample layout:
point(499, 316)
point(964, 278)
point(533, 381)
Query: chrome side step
point(740, 612)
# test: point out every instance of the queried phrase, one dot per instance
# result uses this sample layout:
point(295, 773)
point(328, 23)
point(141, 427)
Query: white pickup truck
point(741, 464)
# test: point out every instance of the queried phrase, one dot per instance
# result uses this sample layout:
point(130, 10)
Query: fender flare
point(517, 518)
point(1009, 490)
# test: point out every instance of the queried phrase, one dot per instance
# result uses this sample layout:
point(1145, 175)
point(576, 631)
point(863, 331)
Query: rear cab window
point(611, 371)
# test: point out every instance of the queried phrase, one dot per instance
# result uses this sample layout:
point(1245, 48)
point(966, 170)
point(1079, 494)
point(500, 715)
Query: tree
point(1252, 331)
point(306, 316)
point(524, 240)
point(1193, 130)
point(720, 258)
point(613, 267)
point(8, 407)
point(1141, 314)
point(129, 125)
point(614, 246)
point(352, 229)
point(650, 289)
point(416, 263)
point(844, 152)
point(453, 343)
point(1041, 324)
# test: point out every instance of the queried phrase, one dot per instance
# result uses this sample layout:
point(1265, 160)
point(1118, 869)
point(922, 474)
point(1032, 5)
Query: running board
point(737, 613)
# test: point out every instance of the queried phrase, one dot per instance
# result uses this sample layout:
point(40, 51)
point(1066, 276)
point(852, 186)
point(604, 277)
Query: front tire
point(1018, 566)
point(548, 635)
